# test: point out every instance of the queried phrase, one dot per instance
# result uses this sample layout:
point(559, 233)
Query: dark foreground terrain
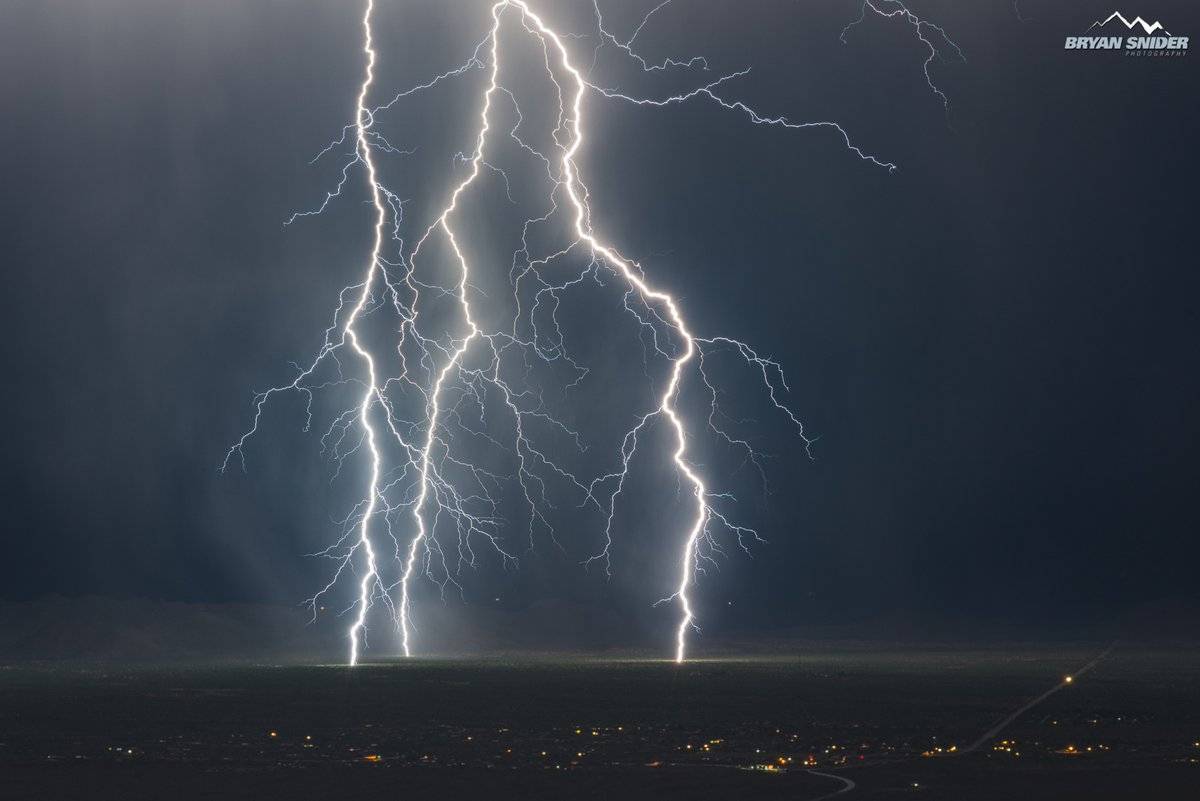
point(865, 722)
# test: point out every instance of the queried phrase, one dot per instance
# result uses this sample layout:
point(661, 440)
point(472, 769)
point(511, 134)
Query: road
point(1067, 681)
point(847, 784)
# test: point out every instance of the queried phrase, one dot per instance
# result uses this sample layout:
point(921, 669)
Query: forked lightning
point(426, 507)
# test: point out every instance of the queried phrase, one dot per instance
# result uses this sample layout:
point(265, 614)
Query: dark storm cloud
point(996, 343)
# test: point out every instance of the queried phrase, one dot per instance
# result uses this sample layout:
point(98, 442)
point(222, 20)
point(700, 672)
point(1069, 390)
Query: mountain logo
point(1149, 28)
point(1149, 39)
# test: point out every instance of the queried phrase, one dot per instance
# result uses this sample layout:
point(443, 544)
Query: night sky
point(996, 344)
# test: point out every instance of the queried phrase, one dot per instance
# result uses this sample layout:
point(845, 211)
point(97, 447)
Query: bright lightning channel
point(363, 121)
point(424, 484)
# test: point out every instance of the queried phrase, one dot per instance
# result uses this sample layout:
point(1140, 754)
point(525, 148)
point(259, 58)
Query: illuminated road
point(847, 785)
point(993, 732)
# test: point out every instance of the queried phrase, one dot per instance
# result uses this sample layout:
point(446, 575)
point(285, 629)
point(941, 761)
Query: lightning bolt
point(922, 28)
point(411, 417)
point(363, 121)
